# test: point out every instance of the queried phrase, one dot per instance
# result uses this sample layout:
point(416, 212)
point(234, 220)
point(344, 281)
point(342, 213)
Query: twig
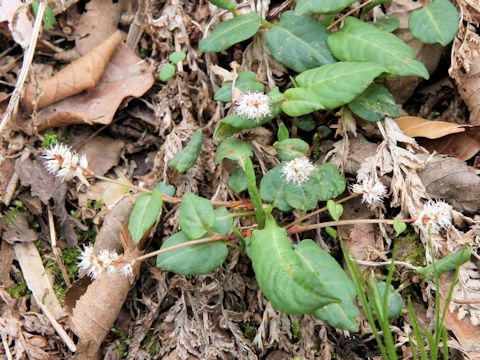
point(302, 228)
point(27, 60)
point(58, 328)
point(13, 183)
point(136, 27)
point(5, 345)
point(53, 244)
point(340, 19)
point(383, 263)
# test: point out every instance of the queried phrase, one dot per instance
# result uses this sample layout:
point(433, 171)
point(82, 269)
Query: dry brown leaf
point(125, 75)
point(418, 127)
point(451, 179)
point(462, 146)
point(15, 12)
point(19, 231)
point(82, 74)
point(100, 160)
point(7, 255)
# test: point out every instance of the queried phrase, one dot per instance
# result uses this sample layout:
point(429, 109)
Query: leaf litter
point(111, 90)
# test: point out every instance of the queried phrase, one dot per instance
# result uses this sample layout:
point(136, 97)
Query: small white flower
point(55, 157)
point(87, 257)
point(253, 105)
point(96, 269)
point(436, 215)
point(298, 170)
point(65, 163)
point(372, 191)
point(127, 270)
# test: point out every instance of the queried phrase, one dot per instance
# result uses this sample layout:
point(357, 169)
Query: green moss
point(410, 248)
point(296, 330)
point(13, 211)
point(248, 329)
point(19, 290)
point(151, 343)
point(49, 139)
point(121, 341)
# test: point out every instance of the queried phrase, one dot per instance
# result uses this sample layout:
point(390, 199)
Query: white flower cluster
point(372, 191)
point(435, 215)
point(297, 171)
point(107, 262)
point(65, 163)
point(253, 105)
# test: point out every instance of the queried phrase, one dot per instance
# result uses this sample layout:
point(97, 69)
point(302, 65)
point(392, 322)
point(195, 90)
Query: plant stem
point(340, 19)
point(319, 211)
point(253, 192)
point(266, 24)
point(216, 237)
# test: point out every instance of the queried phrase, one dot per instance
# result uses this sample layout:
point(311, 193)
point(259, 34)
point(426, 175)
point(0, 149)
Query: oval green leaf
point(290, 149)
point(196, 216)
point(145, 213)
point(237, 180)
point(301, 197)
point(166, 72)
point(436, 22)
point(247, 80)
point(360, 41)
point(374, 104)
point(299, 42)
point(329, 86)
point(223, 221)
point(224, 4)
point(321, 6)
point(329, 183)
point(230, 32)
point(272, 189)
point(198, 259)
point(186, 158)
point(176, 57)
point(233, 149)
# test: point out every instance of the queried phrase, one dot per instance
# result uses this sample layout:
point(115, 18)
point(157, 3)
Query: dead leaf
point(451, 179)
point(418, 127)
point(7, 255)
point(462, 146)
point(18, 230)
point(15, 12)
point(99, 160)
point(125, 75)
point(82, 74)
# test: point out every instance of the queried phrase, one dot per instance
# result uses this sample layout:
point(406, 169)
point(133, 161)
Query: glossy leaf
point(224, 4)
point(360, 41)
point(436, 22)
point(196, 216)
point(290, 149)
point(299, 42)
point(342, 315)
point(193, 259)
point(166, 72)
point(322, 6)
point(237, 180)
point(374, 104)
point(233, 149)
point(285, 280)
point(223, 221)
point(448, 263)
point(230, 32)
point(329, 183)
point(329, 86)
point(272, 189)
point(186, 158)
point(335, 210)
point(145, 213)
point(247, 80)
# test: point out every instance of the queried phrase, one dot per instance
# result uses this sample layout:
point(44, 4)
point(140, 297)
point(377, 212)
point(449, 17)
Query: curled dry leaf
point(82, 74)
point(418, 127)
point(125, 75)
point(15, 12)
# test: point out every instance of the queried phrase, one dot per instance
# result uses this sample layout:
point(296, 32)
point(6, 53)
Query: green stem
point(266, 24)
point(253, 192)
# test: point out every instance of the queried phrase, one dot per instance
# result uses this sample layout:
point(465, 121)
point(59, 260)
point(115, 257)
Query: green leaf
point(196, 216)
point(299, 42)
point(345, 314)
point(246, 81)
point(335, 210)
point(176, 57)
point(329, 86)
point(233, 149)
point(223, 221)
point(374, 104)
point(166, 72)
point(322, 6)
point(399, 226)
point(301, 197)
point(224, 4)
point(307, 123)
point(282, 133)
point(272, 189)
point(237, 180)
point(360, 41)
point(186, 158)
point(290, 149)
point(145, 213)
point(198, 259)
point(436, 22)
point(395, 301)
point(329, 183)
point(49, 20)
point(331, 232)
point(166, 189)
point(283, 277)
point(230, 32)
point(448, 263)
point(223, 131)
point(387, 23)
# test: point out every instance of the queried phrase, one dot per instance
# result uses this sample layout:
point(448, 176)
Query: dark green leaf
point(374, 104)
point(233, 149)
point(290, 149)
point(329, 86)
point(322, 6)
point(307, 123)
point(329, 183)
point(223, 221)
point(246, 81)
point(360, 41)
point(224, 4)
point(186, 158)
point(193, 259)
point(299, 42)
point(237, 180)
point(395, 301)
point(448, 263)
point(301, 197)
point(146, 210)
point(436, 22)
point(230, 32)
point(166, 72)
point(177, 57)
point(196, 216)
point(272, 189)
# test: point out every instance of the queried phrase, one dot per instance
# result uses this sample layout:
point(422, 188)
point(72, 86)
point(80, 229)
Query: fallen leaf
point(18, 230)
point(418, 127)
point(125, 75)
point(7, 255)
point(99, 160)
point(462, 146)
point(82, 74)
point(15, 12)
point(451, 179)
